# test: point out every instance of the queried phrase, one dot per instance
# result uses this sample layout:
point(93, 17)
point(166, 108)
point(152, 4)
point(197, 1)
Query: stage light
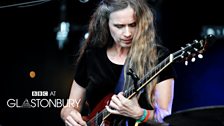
point(32, 74)
point(83, 1)
point(217, 31)
point(86, 35)
point(62, 34)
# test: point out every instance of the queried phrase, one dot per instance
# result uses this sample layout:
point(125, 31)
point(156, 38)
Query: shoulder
point(92, 49)
point(94, 53)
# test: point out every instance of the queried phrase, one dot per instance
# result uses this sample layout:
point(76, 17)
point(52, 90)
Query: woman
point(121, 36)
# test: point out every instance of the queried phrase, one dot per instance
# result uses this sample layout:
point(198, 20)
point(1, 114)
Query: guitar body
point(100, 106)
point(93, 119)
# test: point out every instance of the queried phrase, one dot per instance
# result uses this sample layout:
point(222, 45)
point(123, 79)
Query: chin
point(126, 45)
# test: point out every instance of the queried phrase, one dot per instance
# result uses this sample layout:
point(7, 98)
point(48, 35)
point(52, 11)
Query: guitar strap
point(119, 87)
point(120, 84)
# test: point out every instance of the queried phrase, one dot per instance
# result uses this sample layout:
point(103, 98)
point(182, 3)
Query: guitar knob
point(195, 41)
point(193, 59)
point(186, 63)
point(200, 56)
point(189, 53)
point(195, 49)
point(188, 44)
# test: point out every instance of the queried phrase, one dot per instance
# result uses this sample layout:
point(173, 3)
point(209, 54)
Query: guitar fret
point(155, 70)
point(149, 75)
point(129, 91)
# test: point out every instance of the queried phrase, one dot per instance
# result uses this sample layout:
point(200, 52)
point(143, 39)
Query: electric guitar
point(190, 51)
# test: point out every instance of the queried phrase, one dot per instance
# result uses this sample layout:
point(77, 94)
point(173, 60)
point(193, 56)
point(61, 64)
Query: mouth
point(127, 41)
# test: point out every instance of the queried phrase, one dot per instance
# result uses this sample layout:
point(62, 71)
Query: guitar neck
point(129, 93)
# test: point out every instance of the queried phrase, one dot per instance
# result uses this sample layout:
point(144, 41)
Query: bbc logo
point(39, 93)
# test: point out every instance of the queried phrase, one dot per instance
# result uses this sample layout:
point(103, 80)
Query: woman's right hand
point(72, 117)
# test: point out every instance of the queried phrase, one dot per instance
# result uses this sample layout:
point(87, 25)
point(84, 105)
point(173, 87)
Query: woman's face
point(122, 25)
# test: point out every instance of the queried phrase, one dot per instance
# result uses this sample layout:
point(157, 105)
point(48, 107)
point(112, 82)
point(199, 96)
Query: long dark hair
point(143, 52)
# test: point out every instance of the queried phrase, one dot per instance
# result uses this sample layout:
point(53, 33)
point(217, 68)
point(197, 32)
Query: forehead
point(124, 16)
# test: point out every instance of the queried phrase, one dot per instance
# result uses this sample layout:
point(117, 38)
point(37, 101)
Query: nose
point(127, 32)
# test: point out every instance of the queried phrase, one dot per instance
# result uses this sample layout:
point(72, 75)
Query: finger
point(116, 100)
point(67, 123)
point(78, 118)
point(71, 121)
point(121, 97)
point(108, 102)
point(122, 93)
point(114, 105)
point(111, 110)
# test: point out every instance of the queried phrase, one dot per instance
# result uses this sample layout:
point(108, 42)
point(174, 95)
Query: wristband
point(145, 113)
point(147, 116)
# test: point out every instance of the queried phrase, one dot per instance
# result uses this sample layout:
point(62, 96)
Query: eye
point(132, 24)
point(119, 26)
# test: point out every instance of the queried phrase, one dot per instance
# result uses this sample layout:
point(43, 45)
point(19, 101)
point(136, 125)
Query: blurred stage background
point(29, 42)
